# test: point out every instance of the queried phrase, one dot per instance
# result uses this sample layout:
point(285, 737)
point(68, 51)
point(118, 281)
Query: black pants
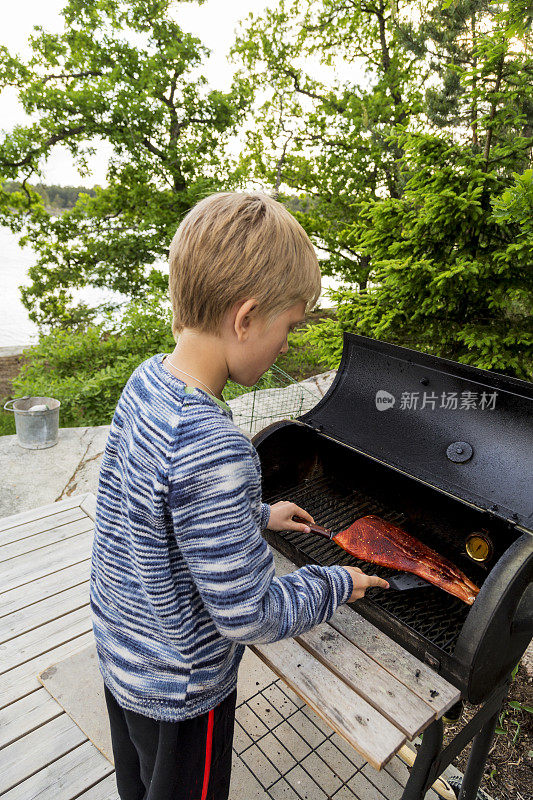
point(187, 760)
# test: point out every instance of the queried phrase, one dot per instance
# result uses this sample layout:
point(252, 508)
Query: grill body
point(337, 481)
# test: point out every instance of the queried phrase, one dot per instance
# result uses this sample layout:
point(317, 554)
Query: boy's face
point(262, 345)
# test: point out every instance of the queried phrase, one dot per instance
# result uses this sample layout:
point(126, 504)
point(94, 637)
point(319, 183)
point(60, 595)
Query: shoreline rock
point(11, 361)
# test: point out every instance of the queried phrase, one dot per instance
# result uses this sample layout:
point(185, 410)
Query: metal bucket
point(36, 429)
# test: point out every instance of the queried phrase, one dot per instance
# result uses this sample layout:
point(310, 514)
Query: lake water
point(16, 329)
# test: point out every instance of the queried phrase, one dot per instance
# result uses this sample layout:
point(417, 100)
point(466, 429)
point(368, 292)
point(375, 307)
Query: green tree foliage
point(486, 71)
point(413, 176)
point(453, 278)
point(421, 228)
point(123, 73)
point(330, 141)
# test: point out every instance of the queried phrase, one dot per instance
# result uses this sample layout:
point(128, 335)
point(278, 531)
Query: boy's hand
point(281, 517)
point(362, 582)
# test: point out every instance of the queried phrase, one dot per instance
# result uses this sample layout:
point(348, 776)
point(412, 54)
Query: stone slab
point(32, 478)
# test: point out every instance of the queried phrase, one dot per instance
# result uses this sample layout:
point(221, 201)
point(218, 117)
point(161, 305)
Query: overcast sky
point(213, 22)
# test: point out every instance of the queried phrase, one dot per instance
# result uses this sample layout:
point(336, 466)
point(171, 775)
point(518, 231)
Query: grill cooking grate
point(431, 613)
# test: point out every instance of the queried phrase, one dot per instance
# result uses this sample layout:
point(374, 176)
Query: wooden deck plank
point(47, 586)
point(26, 714)
point(22, 680)
point(36, 542)
point(49, 607)
point(89, 505)
point(65, 778)
point(376, 739)
point(405, 710)
point(44, 638)
point(22, 570)
point(47, 610)
point(41, 511)
point(105, 790)
point(38, 749)
point(43, 750)
point(41, 525)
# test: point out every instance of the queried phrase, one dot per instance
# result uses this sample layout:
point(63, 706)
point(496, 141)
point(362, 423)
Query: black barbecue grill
point(443, 450)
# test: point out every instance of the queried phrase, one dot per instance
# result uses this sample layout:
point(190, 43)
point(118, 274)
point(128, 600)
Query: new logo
point(384, 400)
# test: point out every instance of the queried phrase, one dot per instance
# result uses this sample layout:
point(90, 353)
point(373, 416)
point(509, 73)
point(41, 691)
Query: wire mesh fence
point(274, 397)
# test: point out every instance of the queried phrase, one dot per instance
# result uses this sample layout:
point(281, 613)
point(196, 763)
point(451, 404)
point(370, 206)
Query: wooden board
point(88, 505)
point(374, 737)
point(44, 619)
point(408, 669)
point(37, 749)
point(41, 512)
point(360, 668)
point(22, 680)
point(20, 532)
point(46, 610)
point(65, 778)
point(104, 790)
point(35, 543)
point(25, 569)
point(26, 715)
point(44, 638)
point(25, 596)
point(392, 699)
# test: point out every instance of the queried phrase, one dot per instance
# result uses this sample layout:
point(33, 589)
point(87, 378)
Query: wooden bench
point(365, 686)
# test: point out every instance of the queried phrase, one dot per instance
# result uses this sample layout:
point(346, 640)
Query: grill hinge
point(314, 426)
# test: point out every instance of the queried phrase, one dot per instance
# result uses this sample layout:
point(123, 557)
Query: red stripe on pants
point(208, 748)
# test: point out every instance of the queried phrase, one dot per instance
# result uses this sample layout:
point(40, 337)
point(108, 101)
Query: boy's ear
point(243, 318)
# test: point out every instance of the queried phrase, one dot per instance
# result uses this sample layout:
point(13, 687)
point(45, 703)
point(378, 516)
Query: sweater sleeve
point(265, 515)
point(217, 525)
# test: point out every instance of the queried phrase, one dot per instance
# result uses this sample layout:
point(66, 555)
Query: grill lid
point(464, 430)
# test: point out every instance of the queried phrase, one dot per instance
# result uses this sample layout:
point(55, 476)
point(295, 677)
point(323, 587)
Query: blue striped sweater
point(181, 576)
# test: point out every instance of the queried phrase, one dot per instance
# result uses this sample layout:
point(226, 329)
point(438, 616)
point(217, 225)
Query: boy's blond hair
point(232, 246)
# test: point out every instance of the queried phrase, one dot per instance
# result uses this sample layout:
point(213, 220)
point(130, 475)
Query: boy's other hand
point(362, 582)
point(281, 517)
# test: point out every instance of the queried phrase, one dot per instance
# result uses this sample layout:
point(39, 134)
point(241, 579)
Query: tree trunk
point(493, 106)
point(474, 84)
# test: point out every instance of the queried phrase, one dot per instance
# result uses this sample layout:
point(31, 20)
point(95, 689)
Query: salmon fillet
point(375, 540)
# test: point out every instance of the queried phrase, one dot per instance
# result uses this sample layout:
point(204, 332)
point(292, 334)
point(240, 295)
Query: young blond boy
point(182, 578)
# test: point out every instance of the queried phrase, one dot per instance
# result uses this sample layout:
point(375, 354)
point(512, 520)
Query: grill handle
point(523, 618)
point(314, 527)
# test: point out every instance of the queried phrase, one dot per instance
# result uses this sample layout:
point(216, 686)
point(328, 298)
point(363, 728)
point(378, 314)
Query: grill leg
point(422, 774)
point(477, 759)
